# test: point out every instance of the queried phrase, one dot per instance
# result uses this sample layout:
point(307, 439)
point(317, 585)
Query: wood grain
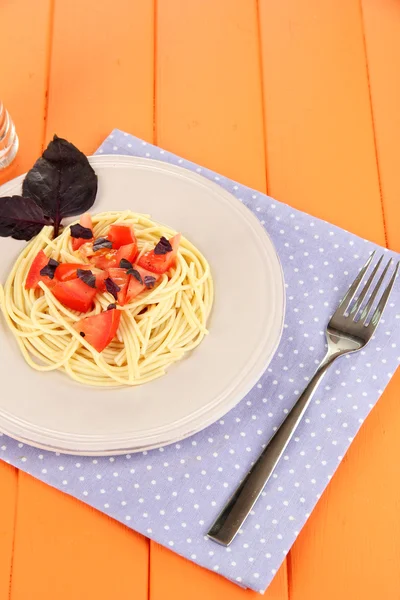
point(64, 549)
point(382, 40)
point(23, 72)
point(23, 75)
point(8, 502)
point(208, 87)
point(320, 140)
point(168, 571)
point(101, 72)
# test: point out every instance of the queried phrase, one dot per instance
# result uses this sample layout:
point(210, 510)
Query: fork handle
point(234, 513)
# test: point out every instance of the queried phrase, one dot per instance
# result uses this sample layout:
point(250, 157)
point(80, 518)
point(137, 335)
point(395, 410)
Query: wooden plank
point(168, 571)
point(101, 73)
point(22, 74)
point(209, 109)
point(8, 501)
point(208, 95)
point(382, 39)
point(101, 77)
point(321, 158)
point(65, 549)
point(381, 22)
point(320, 142)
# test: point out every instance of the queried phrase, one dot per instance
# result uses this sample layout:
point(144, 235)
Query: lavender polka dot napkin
point(173, 494)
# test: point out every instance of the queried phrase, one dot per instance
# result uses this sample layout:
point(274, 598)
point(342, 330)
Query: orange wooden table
point(299, 98)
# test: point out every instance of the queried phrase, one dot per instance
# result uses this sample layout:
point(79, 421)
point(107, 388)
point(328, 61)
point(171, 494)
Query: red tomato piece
point(121, 279)
point(129, 252)
point(75, 294)
point(86, 250)
point(101, 276)
point(104, 259)
point(68, 271)
point(85, 221)
point(99, 330)
point(115, 324)
point(109, 259)
point(134, 286)
point(34, 276)
point(121, 235)
point(160, 263)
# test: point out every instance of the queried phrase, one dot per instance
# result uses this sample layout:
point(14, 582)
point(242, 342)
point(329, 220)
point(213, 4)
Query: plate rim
point(207, 416)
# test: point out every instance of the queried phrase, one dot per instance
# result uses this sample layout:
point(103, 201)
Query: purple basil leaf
point(163, 246)
point(111, 306)
point(112, 287)
point(87, 277)
point(77, 231)
point(49, 269)
point(125, 264)
point(61, 182)
point(101, 243)
point(149, 281)
point(21, 218)
point(135, 274)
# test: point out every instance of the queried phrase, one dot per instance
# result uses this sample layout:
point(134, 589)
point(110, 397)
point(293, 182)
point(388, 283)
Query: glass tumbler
point(8, 138)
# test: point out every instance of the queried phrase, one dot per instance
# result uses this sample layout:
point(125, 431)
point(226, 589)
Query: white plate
point(51, 411)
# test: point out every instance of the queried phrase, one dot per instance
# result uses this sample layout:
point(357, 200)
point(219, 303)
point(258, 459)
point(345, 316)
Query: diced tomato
point(134, 286)
point(68, 271)
point(101, 276)
point(129, 252)
point(49, 282)
point(121, 235)
point(109, 259)
point(99, 330)
point(104, 259)
point(121, 279)
point(75, 294)
point(86, 250)
point(115, 324)
point(85, 221)
point(160, 263)
point(119, 276)
point(34, 276)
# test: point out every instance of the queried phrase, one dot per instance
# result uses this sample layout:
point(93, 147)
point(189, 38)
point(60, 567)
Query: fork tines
point(355, 310)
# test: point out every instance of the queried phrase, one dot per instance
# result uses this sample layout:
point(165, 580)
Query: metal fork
point(348, 330)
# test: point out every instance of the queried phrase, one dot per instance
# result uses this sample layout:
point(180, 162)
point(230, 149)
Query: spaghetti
point(156, 329)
